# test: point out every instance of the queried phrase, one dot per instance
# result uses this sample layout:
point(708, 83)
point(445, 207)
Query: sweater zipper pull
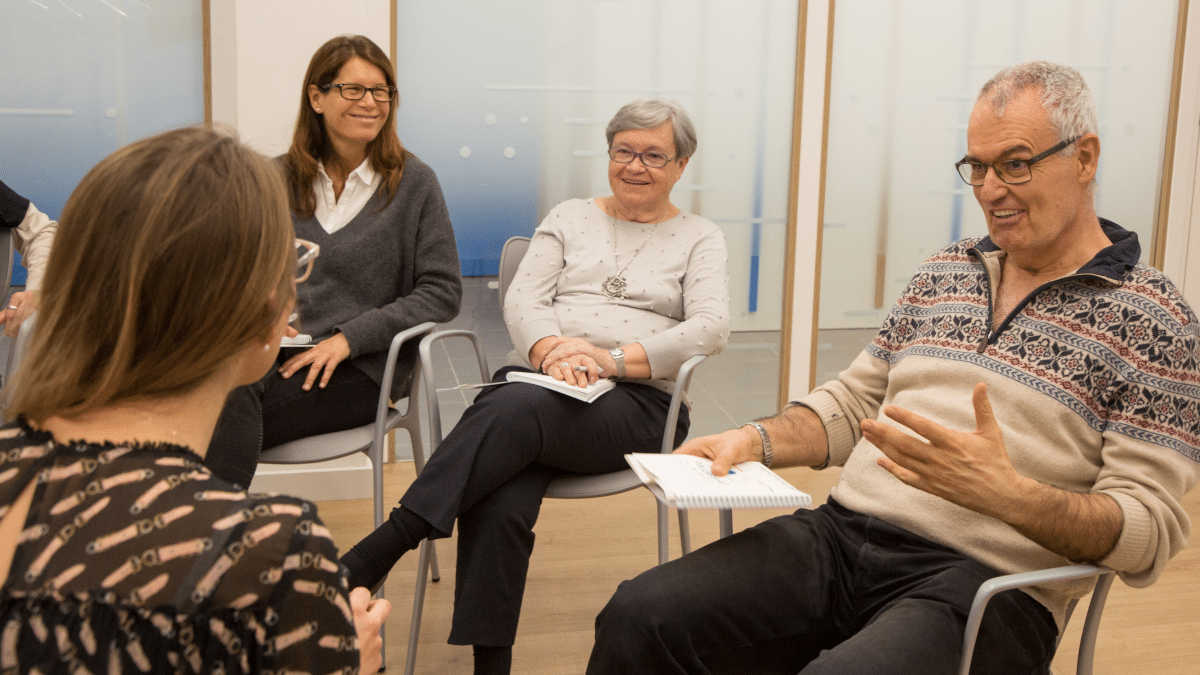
point(983, 343)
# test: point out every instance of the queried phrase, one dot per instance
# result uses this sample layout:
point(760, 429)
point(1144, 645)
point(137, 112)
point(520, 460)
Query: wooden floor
point(586, 547)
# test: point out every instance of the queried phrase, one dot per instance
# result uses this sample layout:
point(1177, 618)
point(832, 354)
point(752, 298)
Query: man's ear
point(1087, 154)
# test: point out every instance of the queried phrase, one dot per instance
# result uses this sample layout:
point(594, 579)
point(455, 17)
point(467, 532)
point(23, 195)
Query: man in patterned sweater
point(1033, 399)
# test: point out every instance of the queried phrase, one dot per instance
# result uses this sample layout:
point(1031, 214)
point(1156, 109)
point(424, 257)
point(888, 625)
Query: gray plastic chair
point(1087, 643)
point(369, 439)
point(563, 487)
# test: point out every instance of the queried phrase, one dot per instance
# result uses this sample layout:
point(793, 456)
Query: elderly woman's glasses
point(355, 92)
point(1011, 171)
point(306, 253)
point(650, 160)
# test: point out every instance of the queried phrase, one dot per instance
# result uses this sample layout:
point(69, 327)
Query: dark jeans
point(826, 590)
point(274, 411)
point(492, 471)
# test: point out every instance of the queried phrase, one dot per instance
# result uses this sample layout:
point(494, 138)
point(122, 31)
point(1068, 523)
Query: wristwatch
point(618, 355)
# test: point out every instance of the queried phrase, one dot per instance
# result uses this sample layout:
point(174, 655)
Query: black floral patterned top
point(138, 560)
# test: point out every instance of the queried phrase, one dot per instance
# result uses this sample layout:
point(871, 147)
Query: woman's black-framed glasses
point(306, 253)
point(354, 92)
point(650, 160)
point(1011, 171)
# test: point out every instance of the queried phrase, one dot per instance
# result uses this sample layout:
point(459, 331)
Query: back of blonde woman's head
point(171, 255)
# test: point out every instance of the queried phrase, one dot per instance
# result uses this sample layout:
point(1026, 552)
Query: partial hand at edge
point(26, 302)
point(369, 615)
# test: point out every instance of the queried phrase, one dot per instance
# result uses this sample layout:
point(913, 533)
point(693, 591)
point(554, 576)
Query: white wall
point(260, 51)
point(1182, 259)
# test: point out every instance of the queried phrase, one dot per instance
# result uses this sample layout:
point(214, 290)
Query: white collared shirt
point(332, 213)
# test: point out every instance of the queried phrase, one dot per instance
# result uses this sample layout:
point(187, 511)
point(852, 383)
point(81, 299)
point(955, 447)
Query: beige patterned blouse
point(138, 560)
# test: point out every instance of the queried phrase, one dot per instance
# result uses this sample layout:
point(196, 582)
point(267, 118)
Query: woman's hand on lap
point(324, 356)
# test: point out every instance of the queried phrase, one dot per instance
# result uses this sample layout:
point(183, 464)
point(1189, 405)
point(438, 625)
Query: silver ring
point(580, 369)
point(564, 364)
point(12, 306)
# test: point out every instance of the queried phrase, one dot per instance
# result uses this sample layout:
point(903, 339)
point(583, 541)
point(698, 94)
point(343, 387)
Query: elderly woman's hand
point(576, 361)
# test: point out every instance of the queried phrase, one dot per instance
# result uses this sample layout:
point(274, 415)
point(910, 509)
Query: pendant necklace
point(614, 287)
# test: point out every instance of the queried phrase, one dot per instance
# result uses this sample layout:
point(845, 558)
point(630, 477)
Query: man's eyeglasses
point(306, 253)
point(650, 160)
point(1011, 171)
point(355, 92)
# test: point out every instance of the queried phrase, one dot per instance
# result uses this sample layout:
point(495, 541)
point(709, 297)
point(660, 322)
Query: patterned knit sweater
point(1094, 379)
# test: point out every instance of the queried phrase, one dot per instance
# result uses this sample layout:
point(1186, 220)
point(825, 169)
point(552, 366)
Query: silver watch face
point(617, 352)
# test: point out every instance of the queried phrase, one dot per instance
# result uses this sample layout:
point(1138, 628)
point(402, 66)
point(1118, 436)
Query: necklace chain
point(615, 286)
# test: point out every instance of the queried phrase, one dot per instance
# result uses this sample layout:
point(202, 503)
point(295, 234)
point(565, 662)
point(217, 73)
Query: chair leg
point(434, 573)
point(726, 518)
point(685, 532)
point(414, 628)
point(664, 536)
point(1087, 642)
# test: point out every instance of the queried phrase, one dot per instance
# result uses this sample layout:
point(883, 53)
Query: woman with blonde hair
point(170, 285)
point(389, 260)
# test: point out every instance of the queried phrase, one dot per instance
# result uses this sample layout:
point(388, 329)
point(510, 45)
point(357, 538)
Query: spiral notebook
point(686, 482)
point(588, 394)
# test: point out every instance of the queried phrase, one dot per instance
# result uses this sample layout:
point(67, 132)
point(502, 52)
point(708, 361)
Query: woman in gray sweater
point(627, 286)
point(388, 261)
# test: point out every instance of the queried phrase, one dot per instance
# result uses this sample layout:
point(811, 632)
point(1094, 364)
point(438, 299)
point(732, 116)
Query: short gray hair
point(1064, 96)
point(648, 113)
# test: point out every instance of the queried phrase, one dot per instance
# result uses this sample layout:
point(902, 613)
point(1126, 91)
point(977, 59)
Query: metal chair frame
point(1091, 625)
point(369, 439)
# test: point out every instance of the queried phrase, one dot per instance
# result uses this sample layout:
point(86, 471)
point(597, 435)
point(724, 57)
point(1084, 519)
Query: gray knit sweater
point(385, 271)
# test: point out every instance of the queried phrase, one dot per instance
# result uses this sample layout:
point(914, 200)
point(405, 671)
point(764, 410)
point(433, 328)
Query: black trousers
point(821, 591)
point(274, 411)
point(492, 471)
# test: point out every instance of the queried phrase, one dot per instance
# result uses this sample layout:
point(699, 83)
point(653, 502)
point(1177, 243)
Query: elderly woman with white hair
point(627, 286)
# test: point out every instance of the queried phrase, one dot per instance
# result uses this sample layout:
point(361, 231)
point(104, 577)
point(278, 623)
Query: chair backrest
point(510, 258)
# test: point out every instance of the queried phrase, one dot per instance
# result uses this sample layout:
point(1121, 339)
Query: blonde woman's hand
point(369, 615)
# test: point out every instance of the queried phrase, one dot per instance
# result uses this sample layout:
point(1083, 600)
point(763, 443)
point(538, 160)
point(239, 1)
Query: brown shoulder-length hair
point(172, 255)
point(310, 142)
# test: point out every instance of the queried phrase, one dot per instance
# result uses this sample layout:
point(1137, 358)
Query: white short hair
point(648, 113)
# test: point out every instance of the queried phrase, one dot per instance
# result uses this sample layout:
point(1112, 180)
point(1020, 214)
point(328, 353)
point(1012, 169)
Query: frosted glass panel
point(81, 78)
point(904, 79)
point(508, 103)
